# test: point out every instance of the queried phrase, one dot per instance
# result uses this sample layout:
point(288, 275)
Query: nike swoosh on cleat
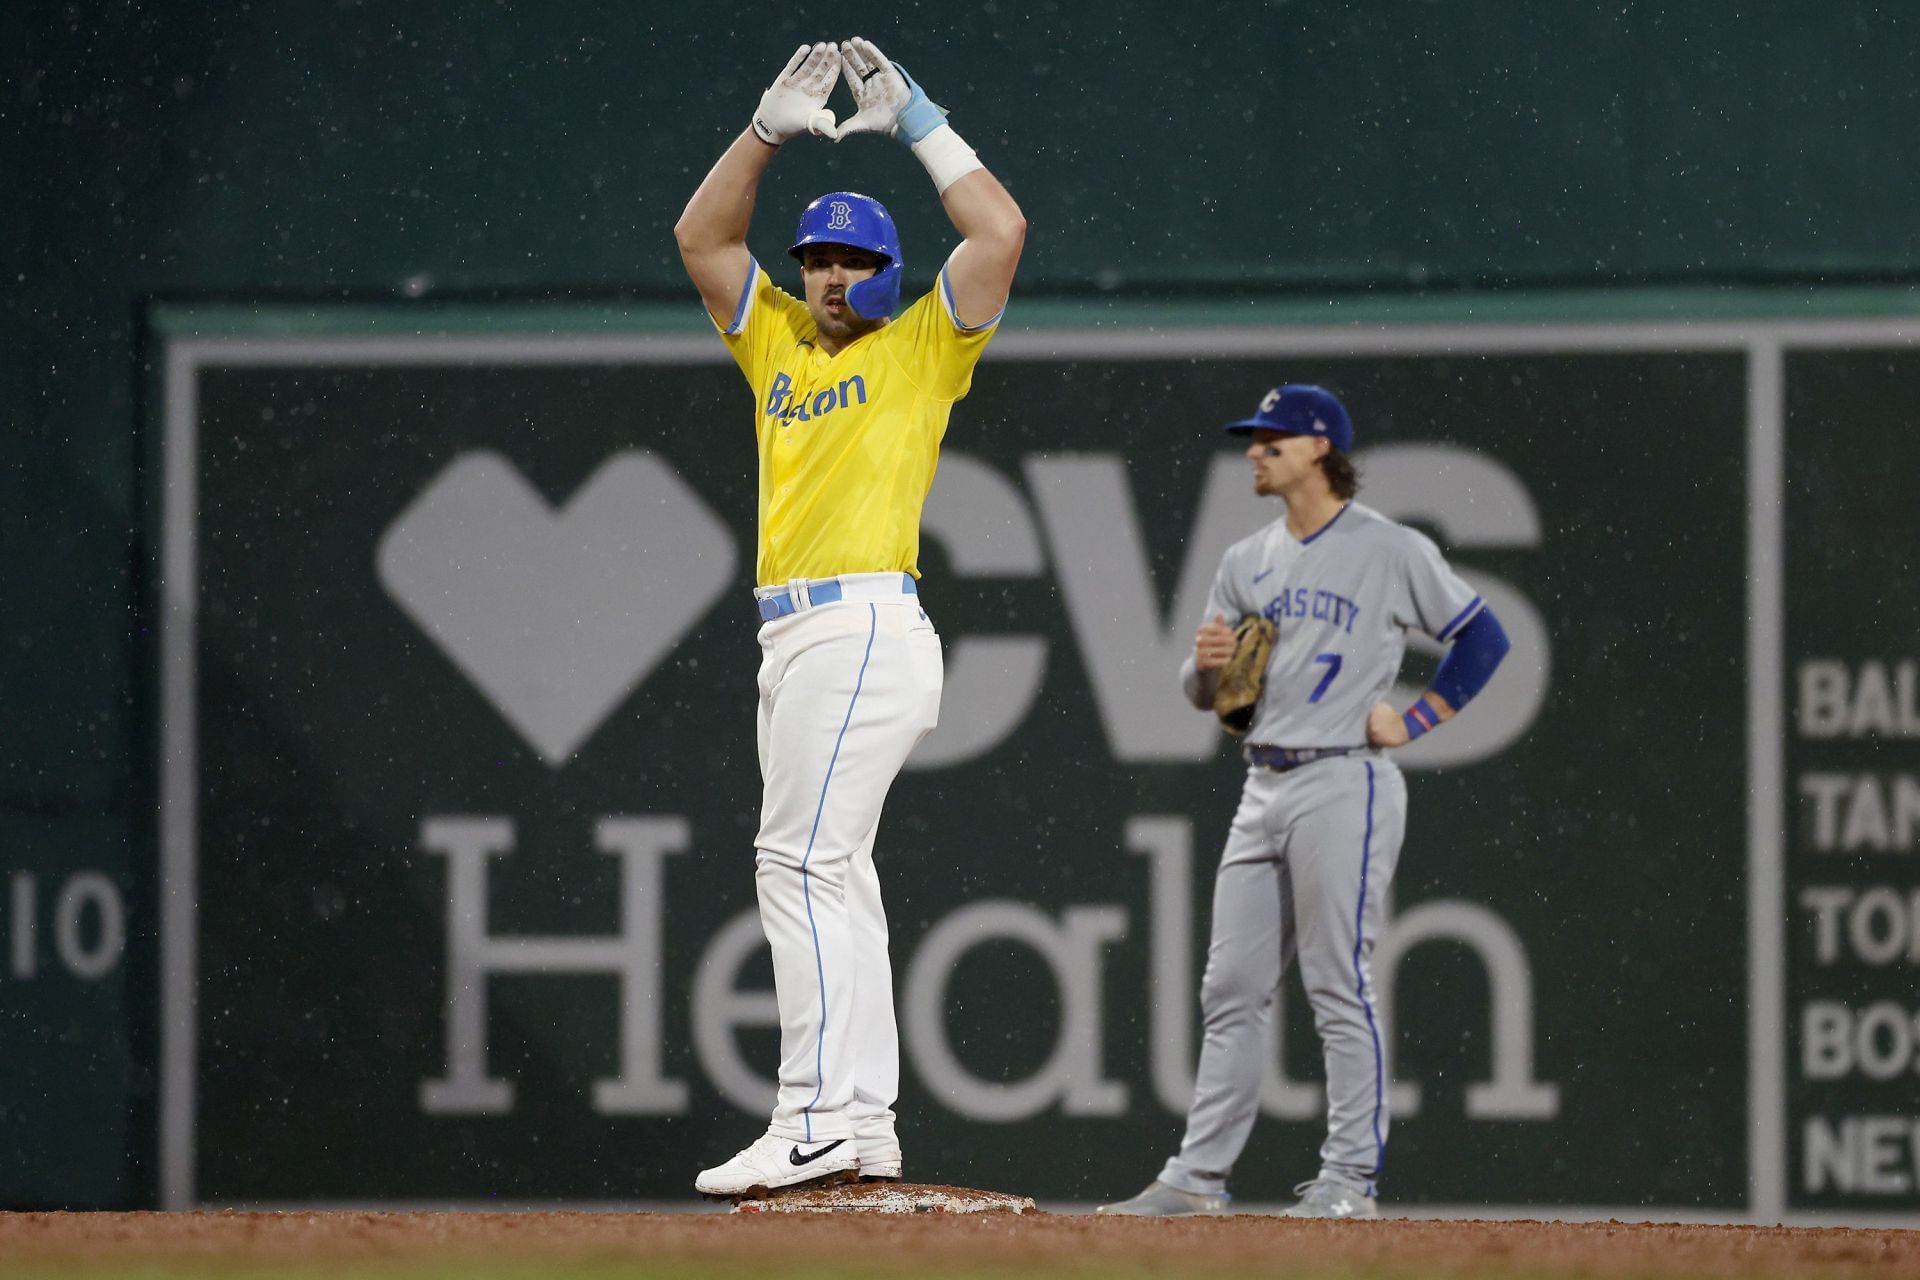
point(797, 1160)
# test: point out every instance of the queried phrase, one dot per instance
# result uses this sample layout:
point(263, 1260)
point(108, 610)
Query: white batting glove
point(796, 102)
point(889, 102)
point(880, 91)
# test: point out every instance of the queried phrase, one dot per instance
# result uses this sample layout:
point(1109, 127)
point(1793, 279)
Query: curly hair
point(1342, 477)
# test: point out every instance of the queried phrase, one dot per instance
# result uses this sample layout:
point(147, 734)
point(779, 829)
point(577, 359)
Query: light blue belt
point(819, 591)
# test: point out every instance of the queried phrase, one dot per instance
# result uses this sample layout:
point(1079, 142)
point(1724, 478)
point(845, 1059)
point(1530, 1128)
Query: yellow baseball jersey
point(848, 443)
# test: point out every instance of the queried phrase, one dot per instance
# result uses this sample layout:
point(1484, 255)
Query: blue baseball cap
point(1300, 409)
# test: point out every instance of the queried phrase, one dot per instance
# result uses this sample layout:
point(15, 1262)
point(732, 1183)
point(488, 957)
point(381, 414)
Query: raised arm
point(712, 231)
point(991, 226)
point(993, 231)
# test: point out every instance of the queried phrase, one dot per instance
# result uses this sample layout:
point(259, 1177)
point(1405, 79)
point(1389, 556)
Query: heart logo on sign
point(556, 615)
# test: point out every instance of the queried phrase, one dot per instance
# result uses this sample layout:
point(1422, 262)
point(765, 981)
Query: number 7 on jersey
point(1333, 669)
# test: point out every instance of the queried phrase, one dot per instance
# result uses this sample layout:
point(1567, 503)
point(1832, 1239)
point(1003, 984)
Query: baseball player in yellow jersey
point(850, 404)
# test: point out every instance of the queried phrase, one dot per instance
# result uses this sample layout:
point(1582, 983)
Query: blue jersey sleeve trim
point(1476, 653)
point(946, 300)
point(746, 296)
point(1446, 632)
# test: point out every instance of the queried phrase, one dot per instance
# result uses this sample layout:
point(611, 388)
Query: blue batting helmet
point(849, 218)
point(1299, 409)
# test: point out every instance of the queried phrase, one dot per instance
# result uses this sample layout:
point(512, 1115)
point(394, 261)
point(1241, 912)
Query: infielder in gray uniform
point(1314, 843)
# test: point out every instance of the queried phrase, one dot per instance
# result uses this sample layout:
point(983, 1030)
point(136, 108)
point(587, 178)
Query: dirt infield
point(859, 1244)
point(1031, 1244)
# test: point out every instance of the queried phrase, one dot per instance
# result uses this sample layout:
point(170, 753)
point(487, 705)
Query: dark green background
point(1315, 161)
point(330, 728)
point(1853, 594)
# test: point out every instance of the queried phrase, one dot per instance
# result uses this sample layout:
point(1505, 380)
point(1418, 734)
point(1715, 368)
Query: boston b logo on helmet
point(849, 218)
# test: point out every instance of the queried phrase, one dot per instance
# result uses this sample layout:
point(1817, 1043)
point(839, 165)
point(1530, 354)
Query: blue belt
point(1281, 759)
point(819, 591)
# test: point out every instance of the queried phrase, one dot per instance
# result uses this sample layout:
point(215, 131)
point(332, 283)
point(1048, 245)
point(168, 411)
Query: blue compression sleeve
point(1477, 650)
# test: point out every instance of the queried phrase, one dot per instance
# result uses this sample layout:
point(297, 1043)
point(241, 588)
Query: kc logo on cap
point(1300, 409)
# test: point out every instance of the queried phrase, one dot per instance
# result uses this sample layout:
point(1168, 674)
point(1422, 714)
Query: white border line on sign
point(179, 780)
point(1763, 341)
point(1421, 1212)
point(1434, 1212)
point(1766, 856)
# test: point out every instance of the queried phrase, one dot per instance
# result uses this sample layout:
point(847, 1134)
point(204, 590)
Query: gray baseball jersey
point(1303, 879)
point(1343, 601)
point(1312, 850)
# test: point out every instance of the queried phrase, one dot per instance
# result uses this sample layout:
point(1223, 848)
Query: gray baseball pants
point(1304, 874)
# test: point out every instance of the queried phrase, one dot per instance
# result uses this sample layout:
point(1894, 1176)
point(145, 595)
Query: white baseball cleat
point(1326, 1198)
point(880, 1159)
point(774, 1162)
point(1162, 1201)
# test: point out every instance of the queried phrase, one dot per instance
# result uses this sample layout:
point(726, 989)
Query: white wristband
point(946, 157)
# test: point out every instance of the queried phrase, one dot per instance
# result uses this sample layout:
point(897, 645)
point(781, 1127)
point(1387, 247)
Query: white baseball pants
point(846, 691)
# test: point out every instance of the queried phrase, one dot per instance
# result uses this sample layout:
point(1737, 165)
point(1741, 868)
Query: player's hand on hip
point(1385, 727)
point(1213, 644)
point(880, 89)
point(796, 102)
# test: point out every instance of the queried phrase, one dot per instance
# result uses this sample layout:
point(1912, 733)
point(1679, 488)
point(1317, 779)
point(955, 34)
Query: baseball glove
point(1237, 694)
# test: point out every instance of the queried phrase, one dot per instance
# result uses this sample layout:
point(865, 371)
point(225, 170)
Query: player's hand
point(796, 102)
point(1213, 644)
point(1386, 727)
point(889, 100)
point(880, 91)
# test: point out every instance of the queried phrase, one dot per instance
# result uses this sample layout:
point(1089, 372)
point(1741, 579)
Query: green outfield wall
point(457, 784)
point(298, 299)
